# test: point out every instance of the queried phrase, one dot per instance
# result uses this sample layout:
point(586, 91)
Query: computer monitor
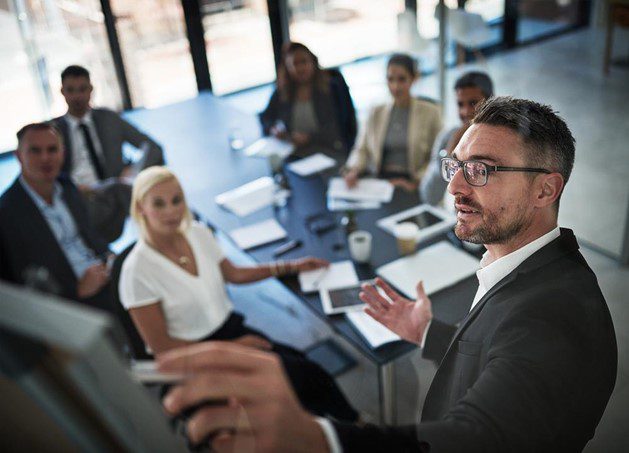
point(61, 357)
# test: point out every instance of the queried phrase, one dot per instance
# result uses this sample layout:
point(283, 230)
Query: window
point(238, 44)
point(39, 39)
point(339, 31)
point(155, 51)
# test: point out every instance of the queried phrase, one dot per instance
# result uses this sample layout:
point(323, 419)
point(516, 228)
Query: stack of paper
point(268, 146)
point(248, 198)
point(439, 266)
point(337, 204)
point(258, 234)
point(371, 330)
point(336, 275)
point(367, 189)
point(313, 164)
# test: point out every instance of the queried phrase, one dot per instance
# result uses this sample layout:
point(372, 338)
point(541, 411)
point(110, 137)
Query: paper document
point(439, 266)
point(337, 204)
point(267, 146)
point(258, 234)
point(336, 275)
point(366, 189)
point(248, 198)
point(370, 329)
point(313, 164)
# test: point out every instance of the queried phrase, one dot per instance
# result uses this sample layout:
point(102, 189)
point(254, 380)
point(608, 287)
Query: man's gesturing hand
point(262, 414)
point(407, 318)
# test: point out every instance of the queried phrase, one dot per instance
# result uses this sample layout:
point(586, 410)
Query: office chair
point(137, 349)
point(469, 31)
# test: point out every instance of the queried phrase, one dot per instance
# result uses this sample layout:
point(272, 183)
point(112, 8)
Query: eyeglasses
point(476, 173)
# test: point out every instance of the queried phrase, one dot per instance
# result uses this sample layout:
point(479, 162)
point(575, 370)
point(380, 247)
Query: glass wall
point(155, 51)
point(537, 18)
point(38, 39)
point(338, 31)
point(238, 44)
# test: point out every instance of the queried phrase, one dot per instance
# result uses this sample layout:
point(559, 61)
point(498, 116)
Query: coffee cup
point(406, 237)
point(360, 246)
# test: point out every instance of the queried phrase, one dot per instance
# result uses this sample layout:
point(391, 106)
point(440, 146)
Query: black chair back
point(135, 342)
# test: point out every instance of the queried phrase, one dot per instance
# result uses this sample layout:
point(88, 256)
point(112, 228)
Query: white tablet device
point(430, 220)
point(342, 300)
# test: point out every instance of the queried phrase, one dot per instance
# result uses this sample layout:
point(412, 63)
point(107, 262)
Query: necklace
point(183, 260)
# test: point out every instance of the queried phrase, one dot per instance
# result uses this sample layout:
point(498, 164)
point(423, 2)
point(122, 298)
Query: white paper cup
point(360, 246)
point(406, 237)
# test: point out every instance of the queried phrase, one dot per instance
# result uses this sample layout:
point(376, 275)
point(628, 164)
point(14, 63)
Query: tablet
point(342, 300)
point(430, 220)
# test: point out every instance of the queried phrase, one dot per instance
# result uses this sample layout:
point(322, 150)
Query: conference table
point(195, 137)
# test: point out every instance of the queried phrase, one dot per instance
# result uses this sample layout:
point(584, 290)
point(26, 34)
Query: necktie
point(98, 167)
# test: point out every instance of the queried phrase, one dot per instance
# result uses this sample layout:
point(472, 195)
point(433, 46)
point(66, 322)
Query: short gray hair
point(548, 141)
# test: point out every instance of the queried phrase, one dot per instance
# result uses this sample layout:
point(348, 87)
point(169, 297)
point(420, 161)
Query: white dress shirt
point(488, 275)
point(83, 172)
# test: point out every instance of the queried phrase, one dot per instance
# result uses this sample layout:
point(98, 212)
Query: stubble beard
point(492, 231)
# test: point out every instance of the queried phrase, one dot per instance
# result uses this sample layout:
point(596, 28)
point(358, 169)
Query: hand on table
point(300, 139)
point(309, 264)
point(351, 178)
point(254, 341)
point(94, 278)
point(409, 186)
point(407, 318)
point(262, 414)
point(279, 132)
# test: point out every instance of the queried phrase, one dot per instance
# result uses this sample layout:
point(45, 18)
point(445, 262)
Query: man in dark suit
point(44, 225)
point(94, 158)
point(530, 368)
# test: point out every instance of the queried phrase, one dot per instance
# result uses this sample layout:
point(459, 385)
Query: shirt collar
point(37, 199)
point(74, 121)
point(491, 274)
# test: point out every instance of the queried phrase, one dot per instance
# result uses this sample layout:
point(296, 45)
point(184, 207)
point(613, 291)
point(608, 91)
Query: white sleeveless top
point(194, 307)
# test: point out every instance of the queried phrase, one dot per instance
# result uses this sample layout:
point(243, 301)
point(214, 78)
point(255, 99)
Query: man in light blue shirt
point(44, 224)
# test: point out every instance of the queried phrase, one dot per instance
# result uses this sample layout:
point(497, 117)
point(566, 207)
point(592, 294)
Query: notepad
point(337, 204)
point(258, 234)
point(371, 330)
point(268, 146)
point(337, 275)
point(312, 164)
point(366, 189)
point(249, 197)
point(439, 266)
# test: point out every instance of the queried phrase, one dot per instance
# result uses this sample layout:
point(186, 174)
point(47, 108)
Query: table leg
point(386, 382)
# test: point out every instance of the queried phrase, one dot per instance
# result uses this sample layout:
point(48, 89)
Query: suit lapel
point(564, 244)
point(413, 136)
point(101, 136)
point(473, 314)
point(40, 231)
point(381, 131)
point(64, 127)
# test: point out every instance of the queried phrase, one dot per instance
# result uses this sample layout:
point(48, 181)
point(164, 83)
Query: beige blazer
point(425, 125)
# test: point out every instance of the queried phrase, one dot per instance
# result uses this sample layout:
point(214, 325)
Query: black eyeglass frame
point(488, 169)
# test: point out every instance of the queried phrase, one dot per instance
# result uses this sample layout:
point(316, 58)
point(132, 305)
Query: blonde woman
point(396, 141)
point(173, 285)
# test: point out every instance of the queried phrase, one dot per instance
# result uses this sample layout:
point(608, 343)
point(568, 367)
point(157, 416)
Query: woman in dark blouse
point(311, 106)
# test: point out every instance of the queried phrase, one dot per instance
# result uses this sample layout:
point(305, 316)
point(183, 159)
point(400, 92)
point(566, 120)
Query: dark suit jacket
point(113, 132)
point(335, 113)
point(531, 367)
point(26, 241)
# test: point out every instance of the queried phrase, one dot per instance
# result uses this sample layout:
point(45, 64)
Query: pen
point(319, 279)
point(287, 247)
